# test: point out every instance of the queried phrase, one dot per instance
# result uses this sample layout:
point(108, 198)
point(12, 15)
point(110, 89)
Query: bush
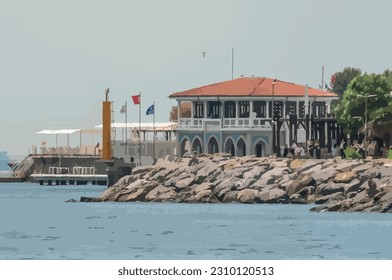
point(351, 153)
point(390, 154)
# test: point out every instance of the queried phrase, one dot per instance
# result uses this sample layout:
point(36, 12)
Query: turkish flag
point(136, 99)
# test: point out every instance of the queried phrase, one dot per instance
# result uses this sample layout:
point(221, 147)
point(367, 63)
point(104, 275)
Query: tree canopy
point(350, 112)
point(340, 80)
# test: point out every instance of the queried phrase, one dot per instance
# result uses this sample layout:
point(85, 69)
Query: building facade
point(249, 116)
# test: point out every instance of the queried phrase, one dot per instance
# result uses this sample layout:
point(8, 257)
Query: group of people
point(371, 148)
point(297, 150)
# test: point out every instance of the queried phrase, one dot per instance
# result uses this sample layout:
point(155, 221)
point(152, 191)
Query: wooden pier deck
point(11, 180)
point(70, 179)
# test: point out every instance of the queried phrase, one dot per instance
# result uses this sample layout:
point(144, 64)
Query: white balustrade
point(256, 123)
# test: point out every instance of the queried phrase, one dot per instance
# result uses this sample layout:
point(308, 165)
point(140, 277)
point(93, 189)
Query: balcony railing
point(227, 123)
point(190, 123)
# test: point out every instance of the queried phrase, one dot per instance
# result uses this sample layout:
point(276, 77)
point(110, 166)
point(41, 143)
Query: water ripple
point(18, 235)
point(12, 249)
point(223, 249)
point(93, 217)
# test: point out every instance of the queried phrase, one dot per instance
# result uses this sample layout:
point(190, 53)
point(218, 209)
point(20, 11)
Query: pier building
point(253, 116)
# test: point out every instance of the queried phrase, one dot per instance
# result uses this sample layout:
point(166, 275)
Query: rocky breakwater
point(330, 184)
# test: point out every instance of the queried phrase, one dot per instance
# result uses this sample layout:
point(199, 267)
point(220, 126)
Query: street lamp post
point(366, 117)
point(272, 114)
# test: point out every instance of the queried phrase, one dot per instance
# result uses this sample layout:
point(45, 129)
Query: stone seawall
point(330, 184)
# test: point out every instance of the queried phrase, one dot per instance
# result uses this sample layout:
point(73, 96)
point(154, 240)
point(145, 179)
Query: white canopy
point(58, 131)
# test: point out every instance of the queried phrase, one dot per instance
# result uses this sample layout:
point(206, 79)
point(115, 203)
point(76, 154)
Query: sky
point(58, 57)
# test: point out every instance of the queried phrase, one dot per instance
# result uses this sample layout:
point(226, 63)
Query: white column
point(251, 114)
point(192, 110)
point(266, 109)
point(178, 111)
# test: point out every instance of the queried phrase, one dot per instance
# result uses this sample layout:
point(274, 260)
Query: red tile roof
point(255, 86)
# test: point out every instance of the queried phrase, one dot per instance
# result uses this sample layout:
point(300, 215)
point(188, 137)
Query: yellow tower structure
point(106, 122)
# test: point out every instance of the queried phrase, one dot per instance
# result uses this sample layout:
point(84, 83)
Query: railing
point(190, 123)
point(21, 169)
point(227, 123)
point(246, 123)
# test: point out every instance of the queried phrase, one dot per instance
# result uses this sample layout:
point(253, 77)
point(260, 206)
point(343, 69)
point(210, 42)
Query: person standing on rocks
point(286, 151)
point(318, 150)
point(361, 150)
point(342, 146)
point(311, 148)
point(292, 150)
point(301, 151)
point(334, 149)
point(371, 149)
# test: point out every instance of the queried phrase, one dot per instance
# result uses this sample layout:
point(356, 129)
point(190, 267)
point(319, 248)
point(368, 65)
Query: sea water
point(37, 223)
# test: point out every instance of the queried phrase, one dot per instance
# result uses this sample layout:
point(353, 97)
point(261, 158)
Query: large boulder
point(324, 175)
point(273, 195)
point(156, 192)
point(230, 196)
point(345, 177)
point(247, 196)
point(270, 176)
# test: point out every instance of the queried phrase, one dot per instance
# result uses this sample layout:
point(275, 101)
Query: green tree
point(350, 112)
point(340, 80)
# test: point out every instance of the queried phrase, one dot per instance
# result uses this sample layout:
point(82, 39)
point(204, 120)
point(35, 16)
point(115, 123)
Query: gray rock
point(313, 170)
point(330, 199)
point(329, 188)
point(353, 186)
point(255, 173)
point(273, 195)
point(321, 208)
point(270, 176)
point(345, 177)
point(297, 199)
point(90, 199)
point(185, 182)
point(247, 196)
point(156, 192)
point(230, 196)
point(308, 165)
point(324, 175)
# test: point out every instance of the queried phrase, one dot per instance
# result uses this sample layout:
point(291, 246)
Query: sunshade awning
point(58, 131)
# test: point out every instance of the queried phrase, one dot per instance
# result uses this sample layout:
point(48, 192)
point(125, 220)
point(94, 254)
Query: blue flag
point(150, 110)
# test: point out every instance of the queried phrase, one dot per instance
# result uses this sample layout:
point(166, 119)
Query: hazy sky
point(57, 57)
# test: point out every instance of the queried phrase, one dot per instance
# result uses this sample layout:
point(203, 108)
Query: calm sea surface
point(36, 223)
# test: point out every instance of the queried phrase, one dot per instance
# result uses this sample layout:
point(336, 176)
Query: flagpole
point(232, 63)
point(140, 133)
point(153, 124)
point(126, 128)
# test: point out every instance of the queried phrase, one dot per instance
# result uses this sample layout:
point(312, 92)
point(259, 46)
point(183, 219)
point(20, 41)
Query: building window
point(260, 108)
point(198, 110)
point(302, 109)
point(230, 109)
point(244, 109)
point(214, 109)
point(319, 109)
point(278, 108)
point(291, 108)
